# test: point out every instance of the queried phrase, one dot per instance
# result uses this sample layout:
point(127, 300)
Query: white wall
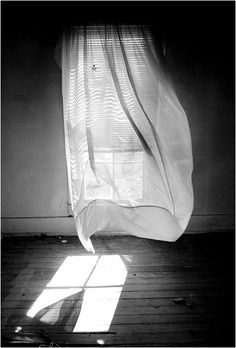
point(34, 178)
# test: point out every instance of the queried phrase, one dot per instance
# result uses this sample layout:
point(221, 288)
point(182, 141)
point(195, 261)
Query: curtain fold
point(127, 138)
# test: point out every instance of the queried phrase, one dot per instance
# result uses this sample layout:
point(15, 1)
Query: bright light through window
point(120, 176)
point(48, 297)
point(74, 271)
point(98, 309)
point(101, 278)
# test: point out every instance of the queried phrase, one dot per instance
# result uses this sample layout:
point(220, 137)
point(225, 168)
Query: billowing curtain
point(127, 139)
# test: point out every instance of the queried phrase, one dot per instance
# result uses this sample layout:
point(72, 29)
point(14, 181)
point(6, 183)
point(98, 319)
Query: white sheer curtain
point(128, 144)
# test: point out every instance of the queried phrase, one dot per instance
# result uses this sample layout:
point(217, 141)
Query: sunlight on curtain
point(128, 144)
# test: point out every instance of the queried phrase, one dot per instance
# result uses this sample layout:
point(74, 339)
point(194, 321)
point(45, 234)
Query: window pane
point(128, 156)
point(128, 178)
point(101, 189)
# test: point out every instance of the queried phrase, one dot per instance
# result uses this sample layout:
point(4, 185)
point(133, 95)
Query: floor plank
point(198, 270)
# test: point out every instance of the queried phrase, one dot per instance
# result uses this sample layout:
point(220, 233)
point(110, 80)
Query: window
point(96, 114)
point(123, 124)
point(120, 173)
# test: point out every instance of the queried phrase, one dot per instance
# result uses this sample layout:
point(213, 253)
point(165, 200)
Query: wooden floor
point(174, 294)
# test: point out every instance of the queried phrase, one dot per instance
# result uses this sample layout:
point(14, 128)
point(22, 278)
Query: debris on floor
point(40, 339)
point(62, 239)
point(47, 337)
point(190, 304)
point(20, 339)
point(43, 236)
point(18, 329)
point(179, 300)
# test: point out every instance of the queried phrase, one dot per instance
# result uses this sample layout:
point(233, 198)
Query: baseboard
point(66, 226)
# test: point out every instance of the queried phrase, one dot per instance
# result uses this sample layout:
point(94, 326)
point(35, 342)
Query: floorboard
point(172, 294)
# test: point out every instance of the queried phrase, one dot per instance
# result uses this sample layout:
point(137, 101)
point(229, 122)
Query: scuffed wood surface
point(198, 269)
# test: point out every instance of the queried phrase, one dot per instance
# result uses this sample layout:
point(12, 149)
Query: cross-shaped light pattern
point(102, 278)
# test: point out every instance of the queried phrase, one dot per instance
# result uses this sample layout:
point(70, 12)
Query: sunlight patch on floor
point(101, 278)
point(48, 297)
point(74, 271)
point(100, 301)
point(98, 309)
